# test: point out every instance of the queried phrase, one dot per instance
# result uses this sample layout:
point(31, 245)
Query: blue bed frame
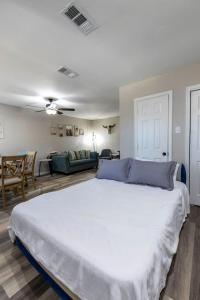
point(59, 291)
point(183, 174)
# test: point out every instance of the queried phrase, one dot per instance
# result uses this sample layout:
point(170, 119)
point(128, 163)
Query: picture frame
point(69, 130)
point(81, 131)
point(53, 130)
point(1, 130)
point(60, 130)
point(76, 131)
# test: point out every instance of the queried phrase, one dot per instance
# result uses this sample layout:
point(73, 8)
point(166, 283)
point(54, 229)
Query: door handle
point(164, 154)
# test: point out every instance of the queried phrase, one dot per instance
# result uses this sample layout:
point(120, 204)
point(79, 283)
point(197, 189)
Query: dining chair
point(12, 175)
point(30, 167)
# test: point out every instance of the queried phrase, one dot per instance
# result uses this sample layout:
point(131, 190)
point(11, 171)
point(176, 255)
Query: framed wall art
point(69, 130)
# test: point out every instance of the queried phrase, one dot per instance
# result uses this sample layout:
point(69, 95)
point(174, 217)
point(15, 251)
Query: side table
point(46, 161)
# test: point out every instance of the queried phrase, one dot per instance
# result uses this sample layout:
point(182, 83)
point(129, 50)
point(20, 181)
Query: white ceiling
point(135, 40)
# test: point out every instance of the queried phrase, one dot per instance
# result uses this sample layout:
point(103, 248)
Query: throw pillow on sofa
point(87, 154)
point(82, 154)
point(72, 155)
point(78, 156)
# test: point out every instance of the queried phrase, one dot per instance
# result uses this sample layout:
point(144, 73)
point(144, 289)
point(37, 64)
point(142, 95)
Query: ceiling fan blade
point(66, 109)
point(40, 110)
point(59, 112)
point(33, 106)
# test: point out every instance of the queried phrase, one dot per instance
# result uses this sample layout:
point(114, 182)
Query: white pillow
point(176, 172)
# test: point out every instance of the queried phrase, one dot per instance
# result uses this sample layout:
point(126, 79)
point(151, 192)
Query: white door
point(153, 127)
point(195, 149)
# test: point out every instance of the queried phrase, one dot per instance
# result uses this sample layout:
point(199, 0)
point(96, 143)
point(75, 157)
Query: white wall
point(27, 130)
point(105, 140)
point(177, 81)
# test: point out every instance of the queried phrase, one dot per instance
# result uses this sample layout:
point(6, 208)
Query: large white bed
point(104, 240)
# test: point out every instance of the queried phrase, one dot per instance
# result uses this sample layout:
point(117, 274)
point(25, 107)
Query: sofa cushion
point(87, 153)
point(81, 162)
point(72, 155)
point(82, 154)
point(78, 156)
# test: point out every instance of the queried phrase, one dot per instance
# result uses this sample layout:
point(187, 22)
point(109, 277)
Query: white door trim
point(170, 95)
point(189, 90)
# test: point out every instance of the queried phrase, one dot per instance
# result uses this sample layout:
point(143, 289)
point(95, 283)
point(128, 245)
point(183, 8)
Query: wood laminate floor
point(19, 280)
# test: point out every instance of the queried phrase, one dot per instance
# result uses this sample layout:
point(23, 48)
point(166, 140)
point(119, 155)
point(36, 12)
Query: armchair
point(106, 154)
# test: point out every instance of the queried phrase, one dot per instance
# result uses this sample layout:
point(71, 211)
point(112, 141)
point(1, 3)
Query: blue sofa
point(61, 163)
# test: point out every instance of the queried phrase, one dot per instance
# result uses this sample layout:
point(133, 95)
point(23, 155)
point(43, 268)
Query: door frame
point(189, 91)
point(170, 97)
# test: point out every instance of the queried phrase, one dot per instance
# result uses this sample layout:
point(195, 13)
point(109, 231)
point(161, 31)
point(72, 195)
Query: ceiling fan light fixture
point(52, 108)
point(51, 111)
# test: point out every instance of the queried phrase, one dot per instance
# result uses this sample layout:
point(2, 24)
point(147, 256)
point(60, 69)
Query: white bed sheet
point(105, 240)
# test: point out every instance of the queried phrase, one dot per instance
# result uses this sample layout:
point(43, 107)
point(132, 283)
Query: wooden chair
point(12, 175)
point(30, 167)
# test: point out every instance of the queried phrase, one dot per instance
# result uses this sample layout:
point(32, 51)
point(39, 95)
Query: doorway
point(194, 144)
point(153, 127)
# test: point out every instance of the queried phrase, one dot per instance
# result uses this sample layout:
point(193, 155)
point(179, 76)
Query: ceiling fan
point(52, 108)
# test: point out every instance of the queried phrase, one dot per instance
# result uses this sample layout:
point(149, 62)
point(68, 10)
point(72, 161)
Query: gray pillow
point(113, 169)
point(159, 174)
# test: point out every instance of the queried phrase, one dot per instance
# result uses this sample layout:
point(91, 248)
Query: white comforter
point(105, 240)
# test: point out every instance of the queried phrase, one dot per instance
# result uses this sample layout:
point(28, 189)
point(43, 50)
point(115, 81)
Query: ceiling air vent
point(68, 72)
point(80, 18)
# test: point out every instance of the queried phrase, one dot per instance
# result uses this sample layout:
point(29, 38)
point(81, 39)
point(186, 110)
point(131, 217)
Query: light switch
point(178, 129)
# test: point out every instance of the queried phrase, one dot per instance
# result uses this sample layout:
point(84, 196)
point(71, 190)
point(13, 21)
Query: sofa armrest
point(94, 155)
point(60, 163)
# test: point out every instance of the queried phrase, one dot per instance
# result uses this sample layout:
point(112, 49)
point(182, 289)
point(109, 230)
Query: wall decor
point(76, 131)
point(94, 139)
point(1, 130)
point(69, 130)
point(81, 131)
point(109, 127)
point(53, 130)
point(60, 130)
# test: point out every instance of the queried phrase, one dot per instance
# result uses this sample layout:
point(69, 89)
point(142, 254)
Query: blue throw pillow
point(158, 174)
point(113, 169)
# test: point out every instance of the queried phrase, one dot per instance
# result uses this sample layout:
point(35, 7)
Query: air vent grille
point(68, 72)
point(72, 12)
point(80, 18)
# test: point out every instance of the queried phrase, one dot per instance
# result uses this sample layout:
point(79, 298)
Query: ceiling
point(135, 40)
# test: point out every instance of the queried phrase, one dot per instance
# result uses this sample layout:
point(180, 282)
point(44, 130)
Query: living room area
point(67, 149)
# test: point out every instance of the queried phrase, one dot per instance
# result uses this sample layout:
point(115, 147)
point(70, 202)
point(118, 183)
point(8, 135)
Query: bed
point(102, 239)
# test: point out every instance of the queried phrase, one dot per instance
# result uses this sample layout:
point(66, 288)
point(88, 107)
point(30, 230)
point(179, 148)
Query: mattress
point(104, 240)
